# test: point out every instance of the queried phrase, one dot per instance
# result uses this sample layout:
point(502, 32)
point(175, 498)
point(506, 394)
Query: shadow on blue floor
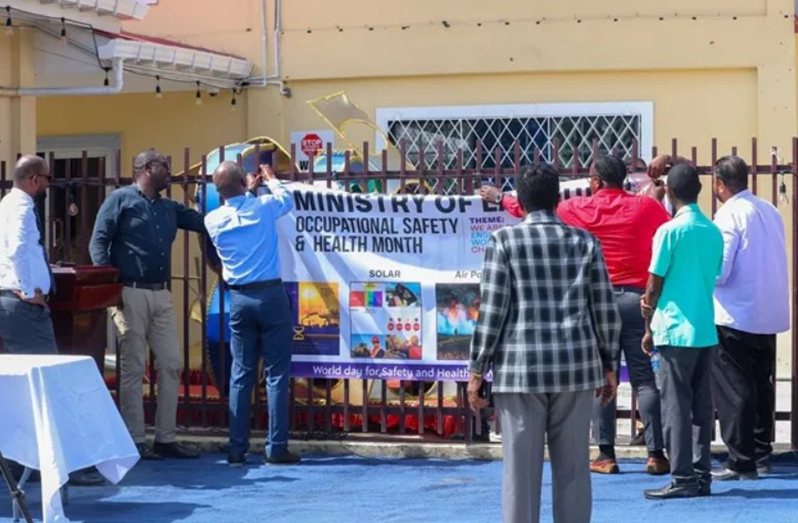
point(344, 489)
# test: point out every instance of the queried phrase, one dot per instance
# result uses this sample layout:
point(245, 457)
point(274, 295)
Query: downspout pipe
point(119, 83)
point(274, 78)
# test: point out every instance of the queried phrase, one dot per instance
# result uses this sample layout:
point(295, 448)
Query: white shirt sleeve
point(25, 231)
point(731, 242)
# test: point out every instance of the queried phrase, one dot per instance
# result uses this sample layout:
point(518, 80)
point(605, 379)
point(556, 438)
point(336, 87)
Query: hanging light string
point(199, 94)
point(32, 19)
point(63, 41)
point(522, 20)
point(9, 22)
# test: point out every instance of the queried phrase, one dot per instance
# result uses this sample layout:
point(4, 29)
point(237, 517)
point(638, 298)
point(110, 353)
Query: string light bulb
point(63, 40)
point(106, 82)
point(9, 22)
point(783, 198)
point(198, 95)
point(158, 92)
point(233, 102)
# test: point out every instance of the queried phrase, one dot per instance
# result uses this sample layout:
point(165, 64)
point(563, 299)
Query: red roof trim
point(161, 41)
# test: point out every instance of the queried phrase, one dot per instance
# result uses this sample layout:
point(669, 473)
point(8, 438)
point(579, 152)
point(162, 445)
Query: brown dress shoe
point(605, 466)
point(657, 466)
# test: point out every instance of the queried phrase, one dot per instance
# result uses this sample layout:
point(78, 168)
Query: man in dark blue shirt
point(134, 232)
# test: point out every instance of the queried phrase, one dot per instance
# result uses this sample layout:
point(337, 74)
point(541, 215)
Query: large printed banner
point(384, 286)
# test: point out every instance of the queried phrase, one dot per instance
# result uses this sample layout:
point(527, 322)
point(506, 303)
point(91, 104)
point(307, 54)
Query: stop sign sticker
point(311, 144)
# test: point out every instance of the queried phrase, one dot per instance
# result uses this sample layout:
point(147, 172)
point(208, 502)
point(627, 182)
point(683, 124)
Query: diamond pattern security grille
point(574, 134)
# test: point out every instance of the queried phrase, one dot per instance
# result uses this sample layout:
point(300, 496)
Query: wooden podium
point(83, 293)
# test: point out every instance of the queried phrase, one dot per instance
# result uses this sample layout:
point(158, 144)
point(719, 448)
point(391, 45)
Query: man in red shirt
point(509, 203)
point(625, 224)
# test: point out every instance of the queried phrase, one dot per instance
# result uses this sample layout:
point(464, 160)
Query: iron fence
point(322, 407)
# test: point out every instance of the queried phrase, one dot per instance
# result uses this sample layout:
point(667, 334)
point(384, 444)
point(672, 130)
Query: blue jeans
point(260, 325)
point(25, 328)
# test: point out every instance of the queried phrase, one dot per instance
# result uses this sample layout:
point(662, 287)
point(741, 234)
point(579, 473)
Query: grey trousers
point(640, 374)
point(528, 420)
point(25, 328)
point(687, 411)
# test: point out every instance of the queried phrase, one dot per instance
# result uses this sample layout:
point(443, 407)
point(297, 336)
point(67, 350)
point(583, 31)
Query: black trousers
point(744, 394)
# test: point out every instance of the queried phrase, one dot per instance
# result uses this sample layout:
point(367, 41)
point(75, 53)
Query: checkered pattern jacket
point(548, 320)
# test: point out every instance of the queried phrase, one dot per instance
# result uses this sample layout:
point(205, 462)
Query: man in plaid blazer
point(549, 328)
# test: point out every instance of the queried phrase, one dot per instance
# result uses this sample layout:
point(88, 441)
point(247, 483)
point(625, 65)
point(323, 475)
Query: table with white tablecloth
point(57, 416)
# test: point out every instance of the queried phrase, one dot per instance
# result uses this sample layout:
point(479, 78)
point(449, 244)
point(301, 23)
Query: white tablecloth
point(56, 415)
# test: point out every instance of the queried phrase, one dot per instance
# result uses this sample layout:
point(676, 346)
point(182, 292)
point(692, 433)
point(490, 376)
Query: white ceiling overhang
point(176, 61)
point(121, 9)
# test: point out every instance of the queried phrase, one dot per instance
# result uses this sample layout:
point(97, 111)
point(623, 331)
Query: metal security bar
point(439, 158)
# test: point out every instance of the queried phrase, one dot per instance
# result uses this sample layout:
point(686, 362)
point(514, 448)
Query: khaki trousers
point(146, 318)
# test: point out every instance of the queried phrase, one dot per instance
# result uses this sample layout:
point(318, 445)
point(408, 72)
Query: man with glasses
point(134, 232)
point(25, 278)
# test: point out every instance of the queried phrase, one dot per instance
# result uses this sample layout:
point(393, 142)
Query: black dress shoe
point(704, 487)
point(146, 452)
point(86, 478)
point(284, 458)
point(727, 474)
point(673, 491)
point(236, 460)
point(763, 467)
point(174, 450)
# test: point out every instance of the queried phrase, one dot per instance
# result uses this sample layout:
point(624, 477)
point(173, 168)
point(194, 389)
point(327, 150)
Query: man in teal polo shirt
point(687, 258)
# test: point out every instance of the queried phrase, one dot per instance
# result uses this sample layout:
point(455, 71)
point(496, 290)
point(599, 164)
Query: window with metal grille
point(574, 127)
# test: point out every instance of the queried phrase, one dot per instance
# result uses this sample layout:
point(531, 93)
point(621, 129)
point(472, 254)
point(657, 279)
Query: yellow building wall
point(17, 114)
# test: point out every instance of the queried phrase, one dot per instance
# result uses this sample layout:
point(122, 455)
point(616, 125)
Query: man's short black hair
point(146, 158)
point(732, 171)
point(684, 183)
point(611, 170)
point(539, 188)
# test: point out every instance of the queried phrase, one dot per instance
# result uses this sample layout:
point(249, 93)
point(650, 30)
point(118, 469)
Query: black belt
point(257, 285)
point(146, 286)
point(628, 288)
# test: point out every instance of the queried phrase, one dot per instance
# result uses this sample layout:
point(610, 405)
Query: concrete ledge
point(415, 447)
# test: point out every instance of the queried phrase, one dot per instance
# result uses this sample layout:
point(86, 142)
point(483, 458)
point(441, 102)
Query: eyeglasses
point(162, 164)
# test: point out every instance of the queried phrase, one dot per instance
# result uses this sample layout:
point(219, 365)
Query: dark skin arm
point(647, 305)
point(660, 165)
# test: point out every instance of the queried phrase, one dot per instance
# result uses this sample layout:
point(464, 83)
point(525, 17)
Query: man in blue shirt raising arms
point(243, 230)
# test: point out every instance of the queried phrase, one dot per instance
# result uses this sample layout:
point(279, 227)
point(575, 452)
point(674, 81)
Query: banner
point(384, 286)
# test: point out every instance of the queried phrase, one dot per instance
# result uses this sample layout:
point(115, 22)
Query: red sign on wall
point(311, 144)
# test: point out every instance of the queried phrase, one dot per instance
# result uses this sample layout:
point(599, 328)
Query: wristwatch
point(499, 197)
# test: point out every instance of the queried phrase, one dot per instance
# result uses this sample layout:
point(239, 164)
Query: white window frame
point(443, 112)
point(73, 146)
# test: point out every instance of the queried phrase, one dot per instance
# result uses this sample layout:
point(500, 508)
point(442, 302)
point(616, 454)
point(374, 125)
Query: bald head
point(29, 166)
point(230, 180)
point(32, 175)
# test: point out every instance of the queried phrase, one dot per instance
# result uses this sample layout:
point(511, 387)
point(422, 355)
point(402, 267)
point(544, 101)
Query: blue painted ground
point(336, 489)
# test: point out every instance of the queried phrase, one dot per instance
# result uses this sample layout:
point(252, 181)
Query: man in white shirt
point(25, 278)
point(751, 307)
